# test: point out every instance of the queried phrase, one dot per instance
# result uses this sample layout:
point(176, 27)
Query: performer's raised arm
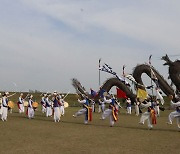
point(82, 101)
point(145, 105)
point(107, 100)
point(172, 103)
point(175, 104)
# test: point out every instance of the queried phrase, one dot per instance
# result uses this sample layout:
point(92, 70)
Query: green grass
point(42, 135)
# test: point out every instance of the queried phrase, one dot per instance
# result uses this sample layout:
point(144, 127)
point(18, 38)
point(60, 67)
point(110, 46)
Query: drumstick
point(66, 95)
point(11, 95)
point(26, 96)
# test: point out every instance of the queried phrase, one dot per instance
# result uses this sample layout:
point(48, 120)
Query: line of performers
point(151, 104)
point(51, 107)
point(55, 107)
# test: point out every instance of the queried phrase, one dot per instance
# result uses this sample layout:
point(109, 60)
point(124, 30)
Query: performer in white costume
point(43, 103)
point(48, 106)
point(157, 107)
point(174, 114)
point(150, 115)
point(62, 111)
point(0, 105)
point(86, 110)
point(99, 107)
point(136, 104)
point(21, 103)
point(93, 105)
point(56, 103)
point(102, 104)
point(112, 111)
point(128, 104)
point(4, 107)
point(30, 107)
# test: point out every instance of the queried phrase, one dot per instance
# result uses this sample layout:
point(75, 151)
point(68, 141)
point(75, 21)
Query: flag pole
point(124, 72)
point(151, 73)
point(152, 88)
point(99, 72)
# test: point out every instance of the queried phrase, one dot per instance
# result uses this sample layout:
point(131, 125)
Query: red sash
point(27, 111)
point(18, 105)
point(89, 112)
point(114, 113)
point(153, 116)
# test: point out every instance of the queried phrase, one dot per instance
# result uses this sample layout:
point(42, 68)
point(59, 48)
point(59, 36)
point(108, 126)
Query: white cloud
point(57, 40)
point(152, 24)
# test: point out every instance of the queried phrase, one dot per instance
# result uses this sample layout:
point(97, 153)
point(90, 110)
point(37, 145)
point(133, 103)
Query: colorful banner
point(142, 94)
point(120, 93)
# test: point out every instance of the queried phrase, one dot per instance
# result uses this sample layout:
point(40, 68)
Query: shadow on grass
point(81, 123)
point(36, 117)
point(39, 117)
point(123, 127)
point(142, 128)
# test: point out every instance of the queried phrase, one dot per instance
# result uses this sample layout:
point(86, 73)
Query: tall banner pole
point(124, 73)
point(151, 73)
point(99, 72)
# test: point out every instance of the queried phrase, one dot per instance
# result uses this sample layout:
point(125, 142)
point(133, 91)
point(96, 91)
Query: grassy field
point(42, 135)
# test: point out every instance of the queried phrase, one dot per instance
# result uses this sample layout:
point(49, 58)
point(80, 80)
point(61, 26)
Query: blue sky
point(46, 43)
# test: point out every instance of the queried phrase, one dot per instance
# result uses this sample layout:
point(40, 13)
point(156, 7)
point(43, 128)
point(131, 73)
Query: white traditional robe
point(82, 111)
point(108, 112)
point(48, 107)
point(30, 109)
point(146, 116)
point(21, 105)
point(61, 107)
point(175, 114)
point(43, 104)
point(4, 109)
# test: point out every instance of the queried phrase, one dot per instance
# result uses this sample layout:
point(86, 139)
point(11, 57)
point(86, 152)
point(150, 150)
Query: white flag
point(153, 76)
point(131, 78)
point(159, 96)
